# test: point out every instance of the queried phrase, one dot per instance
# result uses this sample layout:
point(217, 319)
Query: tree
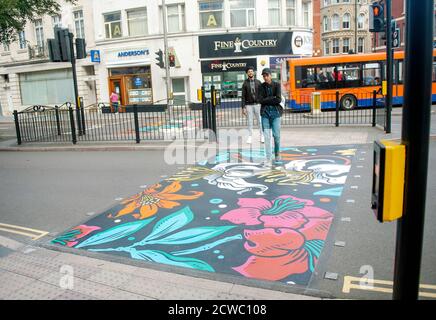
point(14, 14)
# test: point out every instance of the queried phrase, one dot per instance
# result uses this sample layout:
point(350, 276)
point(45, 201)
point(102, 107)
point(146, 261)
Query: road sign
point(95, 56)
point(396, 38)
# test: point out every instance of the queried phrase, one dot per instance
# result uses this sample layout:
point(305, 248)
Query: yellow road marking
point(354, 283)
point(28, 232)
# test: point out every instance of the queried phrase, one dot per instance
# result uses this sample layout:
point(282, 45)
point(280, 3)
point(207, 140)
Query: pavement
point(33, 269)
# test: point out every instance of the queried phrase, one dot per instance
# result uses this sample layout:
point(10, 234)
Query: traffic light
point(80, 48)
point(376, 17)
point(172, 60)
point(159, 58)
point(54, 51)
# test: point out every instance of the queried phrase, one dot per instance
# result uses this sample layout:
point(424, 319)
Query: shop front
point(225, 57)
point(129, 75)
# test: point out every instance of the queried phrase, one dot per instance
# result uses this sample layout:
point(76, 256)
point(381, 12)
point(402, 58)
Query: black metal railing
point(186, 120)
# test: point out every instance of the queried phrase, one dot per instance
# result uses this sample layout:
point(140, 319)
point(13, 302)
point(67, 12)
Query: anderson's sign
point(266, 43)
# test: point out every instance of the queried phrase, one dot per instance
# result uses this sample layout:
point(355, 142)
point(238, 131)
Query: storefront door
point(116, 85)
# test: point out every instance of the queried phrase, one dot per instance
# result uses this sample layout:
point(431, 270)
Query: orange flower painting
point(151, 199)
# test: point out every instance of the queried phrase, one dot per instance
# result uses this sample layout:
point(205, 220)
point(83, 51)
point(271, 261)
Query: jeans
point(253, 109)
point(271, 125)
point(115, 105)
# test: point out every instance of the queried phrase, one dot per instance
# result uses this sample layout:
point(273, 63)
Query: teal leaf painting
point(171, 223)
point(332, 192)
point(115, 233)
point(166, 258)
point(193, 235)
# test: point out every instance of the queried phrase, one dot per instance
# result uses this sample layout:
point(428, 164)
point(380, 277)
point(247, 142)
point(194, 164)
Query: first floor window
point(326, 47)
point(335, 46)
point(242, 13)
point(211, 14)
point(360, 45)
point(22, 40)
point(79, 24)
point(176, 17)
point(290, 12)
point(274, 12)
point(137, 22)
point(39, 32)
point(112, 23)
point(345, 45)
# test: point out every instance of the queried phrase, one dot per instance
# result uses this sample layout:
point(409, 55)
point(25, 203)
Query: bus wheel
point(348, 102)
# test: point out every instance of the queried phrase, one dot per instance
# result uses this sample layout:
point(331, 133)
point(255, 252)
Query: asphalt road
point(52, 191)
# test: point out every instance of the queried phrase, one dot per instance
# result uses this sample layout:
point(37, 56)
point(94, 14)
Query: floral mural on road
point(221, 216)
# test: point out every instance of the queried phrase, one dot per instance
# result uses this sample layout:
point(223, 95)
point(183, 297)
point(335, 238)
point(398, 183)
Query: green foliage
point(14, 14)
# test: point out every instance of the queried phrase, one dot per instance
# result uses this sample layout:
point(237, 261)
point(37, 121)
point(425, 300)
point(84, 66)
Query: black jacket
point(274, 99)
point(247, 97)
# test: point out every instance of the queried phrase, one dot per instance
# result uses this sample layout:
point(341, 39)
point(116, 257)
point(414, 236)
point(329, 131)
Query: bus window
point(400, 71)
point(305, 77)
point(434, 72)
point(325, 79)
point(371, 74)
point(350, 75)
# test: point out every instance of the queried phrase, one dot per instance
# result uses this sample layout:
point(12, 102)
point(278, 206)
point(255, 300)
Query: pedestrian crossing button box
point(388, 179)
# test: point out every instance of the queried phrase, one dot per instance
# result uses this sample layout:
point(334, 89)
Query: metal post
point(415, 136)
point(213, 110)
point(73, 126)
point(389, 64)
point(58, 122)
point(166, 53)
point(337, 109)
point(76, 90)
point(82, 115)
point(203, 107)
point(135, 117)
point(17, 127)
point(374, 107)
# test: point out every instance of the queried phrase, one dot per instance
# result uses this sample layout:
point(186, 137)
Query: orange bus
point(354, 76)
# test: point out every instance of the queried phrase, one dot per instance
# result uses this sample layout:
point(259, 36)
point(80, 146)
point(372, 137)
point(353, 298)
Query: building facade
point(344, 27)
point(213, 41)
point(27, 77)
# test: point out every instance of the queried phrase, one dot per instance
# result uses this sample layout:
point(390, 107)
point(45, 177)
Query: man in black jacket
point(271, 111)
point(250, 102)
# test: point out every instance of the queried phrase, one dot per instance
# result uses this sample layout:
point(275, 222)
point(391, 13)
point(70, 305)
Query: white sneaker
point(262, 139)
point(249, 140)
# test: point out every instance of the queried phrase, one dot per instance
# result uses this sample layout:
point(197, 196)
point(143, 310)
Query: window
point(6, 47)
point(335, 22)
point(346, 21)
point(346, 1)
point(112, 25)
point(242, 13)
point(179, 91)
point(274, 12)
point(290, 12)
point(39, 32)
point(326, 3)
point(326, 47)
point(57, 21)
point(211, 14)
point(345, 45)
point(371, 74)
point(306, 6)
point(335, 46)
point(325, 24)
point(360, 45)
point(79, 24)
point(137, 22)
point(176, 17)
point(22, 39)
point(361, 21)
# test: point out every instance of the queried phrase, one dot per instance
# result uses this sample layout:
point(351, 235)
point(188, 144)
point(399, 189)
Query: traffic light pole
point(415, 136)
point(389, 64)
point(167, 67)
point(76, 90)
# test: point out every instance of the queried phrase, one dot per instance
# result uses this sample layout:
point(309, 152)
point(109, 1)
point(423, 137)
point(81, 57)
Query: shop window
point(242, 13)
point(136, 86)
point(176, 17)
point(211, 14)
point(290, 12)
point(112, 23)
point(179, 92)
point(79, 24)
point(137, 22)
point(274, 12)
